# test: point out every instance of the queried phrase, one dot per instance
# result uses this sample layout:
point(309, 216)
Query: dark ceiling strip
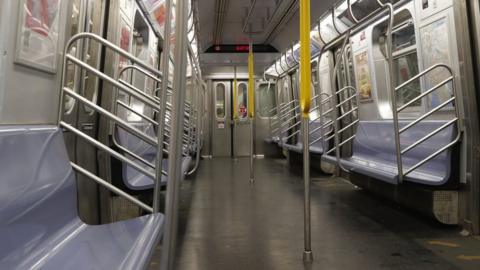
point(220, 10)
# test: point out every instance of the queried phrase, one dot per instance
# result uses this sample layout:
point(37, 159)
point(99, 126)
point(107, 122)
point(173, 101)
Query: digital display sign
point(240, 48)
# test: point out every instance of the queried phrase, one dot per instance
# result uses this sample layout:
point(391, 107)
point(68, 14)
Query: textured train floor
point(228, 223)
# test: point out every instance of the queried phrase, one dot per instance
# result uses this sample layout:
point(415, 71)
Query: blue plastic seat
point(132, 178)
point(374, 152)
point(298, 147)
point(315, 148)
point(39, 223)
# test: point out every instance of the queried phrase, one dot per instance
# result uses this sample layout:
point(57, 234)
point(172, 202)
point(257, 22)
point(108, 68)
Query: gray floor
point(228, 223)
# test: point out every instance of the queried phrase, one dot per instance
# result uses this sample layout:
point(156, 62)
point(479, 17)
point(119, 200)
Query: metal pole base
point(307, 256)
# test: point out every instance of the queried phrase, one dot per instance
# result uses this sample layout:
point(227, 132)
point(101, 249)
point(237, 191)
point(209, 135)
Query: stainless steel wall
point(27, 96)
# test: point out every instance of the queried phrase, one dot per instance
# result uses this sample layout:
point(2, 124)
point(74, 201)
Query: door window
point(220, 101)
point(242, 101)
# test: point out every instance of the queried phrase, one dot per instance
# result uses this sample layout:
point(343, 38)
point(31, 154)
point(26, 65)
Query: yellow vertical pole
point(251, 106)
point(235, 112)
point(235, 94)
point(305, 79)
point(305, 71)
point(251, 86)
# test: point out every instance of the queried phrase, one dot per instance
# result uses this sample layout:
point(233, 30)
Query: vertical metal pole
point(162, 110)
point(198, 100)
point(307, 253)
point(235, 112)
point(391, 86)
point(175, 151)
point(279, 91)
point(305, 100)
point(251, 107)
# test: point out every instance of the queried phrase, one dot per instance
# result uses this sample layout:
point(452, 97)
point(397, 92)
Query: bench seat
point(315, 148)
point(374, 152)
point(39, 223)
point(132, 178)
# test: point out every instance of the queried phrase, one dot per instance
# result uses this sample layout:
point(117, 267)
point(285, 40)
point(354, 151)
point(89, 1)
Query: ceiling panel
point(267, 21)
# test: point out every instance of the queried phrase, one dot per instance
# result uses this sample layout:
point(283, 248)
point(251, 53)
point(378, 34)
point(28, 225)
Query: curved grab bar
point(355, 20)
point(336, 124)
point(320, 34)
point(354, 28)
point(334, 21)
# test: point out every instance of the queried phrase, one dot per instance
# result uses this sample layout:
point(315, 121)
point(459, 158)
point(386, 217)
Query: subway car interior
point(228, 134)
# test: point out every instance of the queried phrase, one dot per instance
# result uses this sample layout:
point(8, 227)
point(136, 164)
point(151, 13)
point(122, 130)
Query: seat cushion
point(39, 223)
point(136, 180)
point(120, 245)
point(374, 152)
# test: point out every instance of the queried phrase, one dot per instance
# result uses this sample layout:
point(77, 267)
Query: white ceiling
point(270, 21)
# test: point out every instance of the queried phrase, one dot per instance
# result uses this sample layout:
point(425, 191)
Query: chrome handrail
point(68, 58)
point(456, 120)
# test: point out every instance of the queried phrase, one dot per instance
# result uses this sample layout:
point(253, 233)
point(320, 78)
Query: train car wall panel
point(241, 144)
point(221, 120)
point(473, 197)
point(4, 7)
point(427, 8)
point(32, 88)
point(265, 101)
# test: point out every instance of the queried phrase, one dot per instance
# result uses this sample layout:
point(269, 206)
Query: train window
point(437, 48)
point(403, 36)
point(405, 59)
point(404, 68)
point(315, 89)
point(266, 104)
point(139, 109)
point(220, 101)
point(242, 101)
point(286, 90)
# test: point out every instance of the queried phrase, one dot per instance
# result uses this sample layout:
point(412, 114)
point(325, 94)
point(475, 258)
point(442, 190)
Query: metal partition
point(345, 105)
point(189, 123)
point(452, 101)
point(221, 119)
point(77, 63)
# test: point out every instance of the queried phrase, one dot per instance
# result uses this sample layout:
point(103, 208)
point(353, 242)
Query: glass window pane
point(220, 100)
point(437, 48)
point(405, 67)
point(404, 37)
point(242, 101)
point(267, 105)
